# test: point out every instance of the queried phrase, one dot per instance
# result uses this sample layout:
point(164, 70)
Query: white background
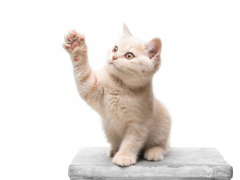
point(44, 122)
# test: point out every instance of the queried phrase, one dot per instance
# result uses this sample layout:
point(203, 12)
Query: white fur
point(133, 120)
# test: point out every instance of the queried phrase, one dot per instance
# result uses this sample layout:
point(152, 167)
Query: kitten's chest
point(119, 105)
point(117, 102)
point(118, 111)
point(120, 108)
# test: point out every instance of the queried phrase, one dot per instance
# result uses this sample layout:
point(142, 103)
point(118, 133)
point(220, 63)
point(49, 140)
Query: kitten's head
point(134, 61)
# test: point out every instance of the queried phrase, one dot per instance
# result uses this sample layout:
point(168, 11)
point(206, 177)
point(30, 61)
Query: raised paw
point(154, 154)
point(75, 44)
point(124, 160)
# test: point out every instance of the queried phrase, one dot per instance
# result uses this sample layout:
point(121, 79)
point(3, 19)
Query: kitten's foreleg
point(132, 142)
point(89, 86)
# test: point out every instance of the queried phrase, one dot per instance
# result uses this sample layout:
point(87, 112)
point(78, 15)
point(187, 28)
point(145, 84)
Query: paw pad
point(73, 40)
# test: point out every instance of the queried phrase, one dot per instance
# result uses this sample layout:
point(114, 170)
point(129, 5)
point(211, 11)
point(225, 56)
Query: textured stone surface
point(178, 164)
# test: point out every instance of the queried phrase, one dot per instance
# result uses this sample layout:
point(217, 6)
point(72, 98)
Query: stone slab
point(178, 164)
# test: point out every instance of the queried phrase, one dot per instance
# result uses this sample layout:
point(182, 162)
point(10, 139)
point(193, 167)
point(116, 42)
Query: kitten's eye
point(115, 49)
point(129, 56)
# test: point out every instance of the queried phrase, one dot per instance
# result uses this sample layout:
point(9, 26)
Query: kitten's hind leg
point(154, 153)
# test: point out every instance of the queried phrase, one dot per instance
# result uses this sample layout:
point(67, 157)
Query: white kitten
point(134, 121)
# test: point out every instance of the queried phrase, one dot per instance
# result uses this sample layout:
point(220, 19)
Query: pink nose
point(114, 58)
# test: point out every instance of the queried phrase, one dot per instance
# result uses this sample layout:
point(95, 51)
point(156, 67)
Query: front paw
point(75, 44)
point(124, 159)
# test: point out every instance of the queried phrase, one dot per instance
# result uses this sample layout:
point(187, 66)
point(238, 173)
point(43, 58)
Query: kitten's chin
point(127, 80)
point(112, 68)
point(112, 65)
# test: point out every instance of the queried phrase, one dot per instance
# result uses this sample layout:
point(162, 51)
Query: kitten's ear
point(126, 31)
point(153, 48)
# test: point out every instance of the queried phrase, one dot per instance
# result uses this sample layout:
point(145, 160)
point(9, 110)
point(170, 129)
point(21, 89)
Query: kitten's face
point(132, 60)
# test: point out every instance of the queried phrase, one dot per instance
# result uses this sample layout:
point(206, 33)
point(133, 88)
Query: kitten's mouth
point(115, 67)
point(111, 63)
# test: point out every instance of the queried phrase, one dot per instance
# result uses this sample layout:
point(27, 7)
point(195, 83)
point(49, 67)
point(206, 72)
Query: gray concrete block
point(178, 164)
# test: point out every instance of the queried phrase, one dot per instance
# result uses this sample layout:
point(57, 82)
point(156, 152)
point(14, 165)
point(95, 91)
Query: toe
point(73, 34)
point(81, 37)
point(85, 49)
point(66, 47)
point(126, 161)
point(68, 40)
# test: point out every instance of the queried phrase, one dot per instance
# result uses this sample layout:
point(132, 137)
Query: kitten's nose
point(114, 58)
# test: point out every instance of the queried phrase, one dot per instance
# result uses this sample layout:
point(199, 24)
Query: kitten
point(133, 120)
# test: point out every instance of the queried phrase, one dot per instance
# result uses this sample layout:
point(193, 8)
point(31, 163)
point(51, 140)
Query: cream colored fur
point(134, 121)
